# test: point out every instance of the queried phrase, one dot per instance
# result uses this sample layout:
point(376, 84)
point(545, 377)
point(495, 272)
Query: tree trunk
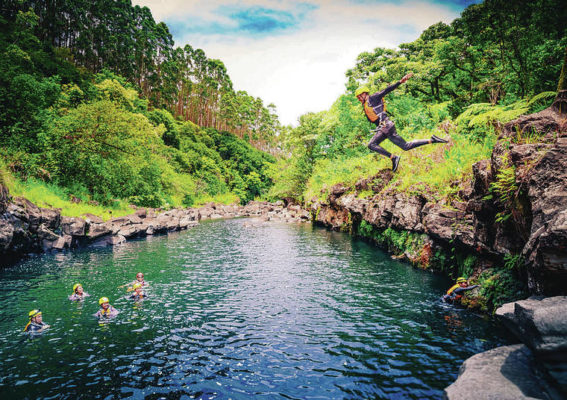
point(560, 103)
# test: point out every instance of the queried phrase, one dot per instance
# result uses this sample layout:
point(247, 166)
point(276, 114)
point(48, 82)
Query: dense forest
point(498, 60)
point(98, 105)
point(96, 102)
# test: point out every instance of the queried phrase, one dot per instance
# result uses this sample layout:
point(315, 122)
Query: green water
point(236, 310)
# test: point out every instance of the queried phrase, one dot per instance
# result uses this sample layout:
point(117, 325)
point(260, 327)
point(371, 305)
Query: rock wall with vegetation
point(26, 228)
point(507, 228)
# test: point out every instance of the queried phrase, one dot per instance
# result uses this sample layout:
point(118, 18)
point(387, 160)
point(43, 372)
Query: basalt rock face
point(504, 373)
point(26, 228)
point(536, 369)
point(534, 225)
point(541, 323)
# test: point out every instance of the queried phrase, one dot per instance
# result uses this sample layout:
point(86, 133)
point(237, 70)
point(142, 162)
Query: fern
point(543, 97)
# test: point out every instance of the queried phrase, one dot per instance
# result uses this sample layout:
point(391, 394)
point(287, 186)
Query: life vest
point(452, 289)
point(376, 113)
point(456, 297)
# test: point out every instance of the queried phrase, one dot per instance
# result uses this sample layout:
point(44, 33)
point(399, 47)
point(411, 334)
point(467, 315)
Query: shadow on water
point(236, 309)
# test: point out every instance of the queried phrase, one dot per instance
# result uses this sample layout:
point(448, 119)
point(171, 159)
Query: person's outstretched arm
point(382, 93)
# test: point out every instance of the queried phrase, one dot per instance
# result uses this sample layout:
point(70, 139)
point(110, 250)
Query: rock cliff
point(515, 208)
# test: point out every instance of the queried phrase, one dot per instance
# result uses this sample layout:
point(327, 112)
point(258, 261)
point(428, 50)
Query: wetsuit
point(385, 128)
point(456, 292)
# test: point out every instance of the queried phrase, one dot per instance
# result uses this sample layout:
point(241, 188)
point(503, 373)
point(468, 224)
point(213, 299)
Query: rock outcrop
point(533, 225)
point(536, 369)
point(26, 228)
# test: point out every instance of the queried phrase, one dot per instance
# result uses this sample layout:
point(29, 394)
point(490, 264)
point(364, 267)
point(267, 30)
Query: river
point(236, 309)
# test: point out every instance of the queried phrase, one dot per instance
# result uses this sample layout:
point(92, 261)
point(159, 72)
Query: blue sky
point(294, 53)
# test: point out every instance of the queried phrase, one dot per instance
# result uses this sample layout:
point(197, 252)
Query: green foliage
point(49, 195)
point(513, 261)
point(505, 189)
point(498, 287)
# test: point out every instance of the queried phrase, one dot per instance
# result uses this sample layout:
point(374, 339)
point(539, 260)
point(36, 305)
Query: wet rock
point(541, 324)
point(504, 373)
point(63, 242)
point(108, 240)
point(335, 219)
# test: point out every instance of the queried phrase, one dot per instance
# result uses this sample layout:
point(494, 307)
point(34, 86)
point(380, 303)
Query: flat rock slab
point(504, 373)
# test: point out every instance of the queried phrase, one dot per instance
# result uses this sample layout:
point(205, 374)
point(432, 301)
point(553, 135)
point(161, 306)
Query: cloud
point(295, 53)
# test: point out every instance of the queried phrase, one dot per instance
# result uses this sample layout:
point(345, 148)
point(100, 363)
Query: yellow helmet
point(360, 90)
point(103, 300)
point(461, 279)
point(34, 313)
point(75, 286)
point(137, 285)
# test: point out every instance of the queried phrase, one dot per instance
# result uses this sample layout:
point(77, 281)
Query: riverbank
point(26, 228)
point(506, 229)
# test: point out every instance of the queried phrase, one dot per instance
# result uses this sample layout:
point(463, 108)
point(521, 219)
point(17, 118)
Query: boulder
point(504, 373)
point(25, 210)
point(51, 217)
point(541, 323)
point(73, 226)
point(98, 230)
point(6, 235)
point(91, 218)
point(64, 242)
point(142, 213)
point(335, 219)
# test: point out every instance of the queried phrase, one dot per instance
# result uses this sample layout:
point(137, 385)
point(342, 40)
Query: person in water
point(374, 109)
point(138, 294)
point(78, 293)
point(35, 324)
point(455, 293)
point(139, 279)
point(106, 310)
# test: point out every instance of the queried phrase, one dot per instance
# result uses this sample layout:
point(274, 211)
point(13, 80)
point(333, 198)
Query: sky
point(291, 53)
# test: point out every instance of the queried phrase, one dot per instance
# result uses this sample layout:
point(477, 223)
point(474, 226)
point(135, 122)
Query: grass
point(434, 169)
point(225, 198)
point(51, 196)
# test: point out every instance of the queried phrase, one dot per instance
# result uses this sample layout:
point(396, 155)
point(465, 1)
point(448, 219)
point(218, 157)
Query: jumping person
point(455, 293)
point(385, 129)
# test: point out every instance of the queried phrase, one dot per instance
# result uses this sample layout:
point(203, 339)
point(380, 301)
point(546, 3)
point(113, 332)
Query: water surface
point(237, 309)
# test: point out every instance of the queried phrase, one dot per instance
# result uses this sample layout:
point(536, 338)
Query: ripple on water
point(234, 311)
